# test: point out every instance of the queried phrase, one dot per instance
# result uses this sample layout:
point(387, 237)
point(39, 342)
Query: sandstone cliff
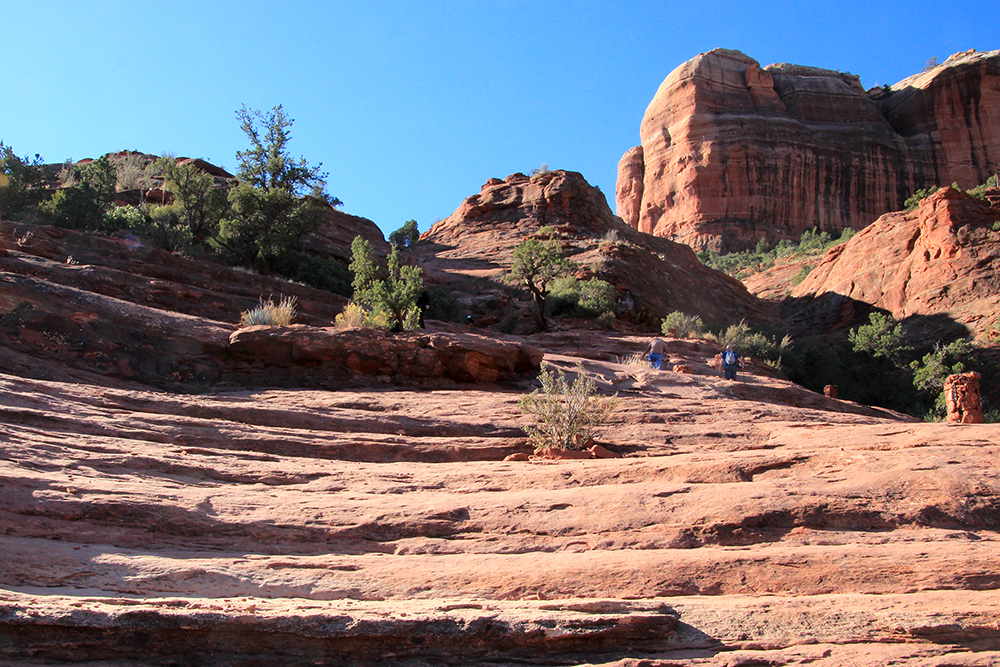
point(653, 276)
point(936, 267)
point(732, 152)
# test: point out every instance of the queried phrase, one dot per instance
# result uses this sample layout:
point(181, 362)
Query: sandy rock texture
point(471, 249)
point(732, 152)
point(935, 267)
point(751, 521)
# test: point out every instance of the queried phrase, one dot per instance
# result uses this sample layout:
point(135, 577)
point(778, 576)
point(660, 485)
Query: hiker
point(423, 305)
point(730, 362)
point(654, 352)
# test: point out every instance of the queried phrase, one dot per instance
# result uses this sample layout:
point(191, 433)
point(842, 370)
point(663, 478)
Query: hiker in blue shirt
point(730, 362)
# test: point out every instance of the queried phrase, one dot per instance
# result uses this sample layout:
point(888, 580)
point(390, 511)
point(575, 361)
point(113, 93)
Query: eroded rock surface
point(471, 249)
point(732, 152)
point(936, 267)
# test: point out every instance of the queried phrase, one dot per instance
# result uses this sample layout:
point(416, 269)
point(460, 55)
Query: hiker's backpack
point(729, 358)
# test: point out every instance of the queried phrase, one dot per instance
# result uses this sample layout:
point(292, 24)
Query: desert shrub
point(270, 313)
point(131, 173)
point(913, 201)
point(563, 296)
point(444, 305)
point(21, 188)
point(802, 274)
point(597, 297)
point(584, 298)
point(754, 343)
point(566, 414)
point(406, 235)
point(85, 205)
point(394, 295)
point(509, 319)
point(685, 325)
point(326, 273)
point(356, 316)
point(163, 228)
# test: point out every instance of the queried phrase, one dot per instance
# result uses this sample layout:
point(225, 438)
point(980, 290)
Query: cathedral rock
point(732, 152)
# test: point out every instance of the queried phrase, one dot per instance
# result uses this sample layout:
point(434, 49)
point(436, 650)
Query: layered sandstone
point(472, 249)
point(732, 152)
point(935, 267)
point(271, 520)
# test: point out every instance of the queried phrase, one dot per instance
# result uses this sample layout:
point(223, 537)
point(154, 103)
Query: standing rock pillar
point(961, 392)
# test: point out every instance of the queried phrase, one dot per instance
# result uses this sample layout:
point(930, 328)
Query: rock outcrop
point(119, 314)
point(961, 393)
point(732, 152)
point(473, 247)
point(936, 267)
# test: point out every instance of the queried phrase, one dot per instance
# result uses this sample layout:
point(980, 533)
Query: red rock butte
point(732, 152)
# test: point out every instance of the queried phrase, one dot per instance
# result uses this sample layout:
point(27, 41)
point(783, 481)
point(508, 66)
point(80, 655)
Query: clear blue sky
point(412, 106)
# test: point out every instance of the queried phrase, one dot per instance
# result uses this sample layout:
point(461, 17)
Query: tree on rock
point(277, 199)
point(536, 265)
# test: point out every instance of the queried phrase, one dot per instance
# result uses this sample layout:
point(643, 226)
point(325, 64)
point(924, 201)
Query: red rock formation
point(653, 276)
point(961, 393)
point(937, 265)
point(732, 152)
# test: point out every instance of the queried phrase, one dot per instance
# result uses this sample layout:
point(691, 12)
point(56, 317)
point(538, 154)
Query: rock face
point(732, 152)
point(936, 266)
point(124, 315)
point(961, 394)
point(653, 276)
point(743, 523)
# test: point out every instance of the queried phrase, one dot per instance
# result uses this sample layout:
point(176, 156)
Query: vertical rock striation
point(732, 152)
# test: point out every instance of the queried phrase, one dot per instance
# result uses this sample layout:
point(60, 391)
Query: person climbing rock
point(654, 352)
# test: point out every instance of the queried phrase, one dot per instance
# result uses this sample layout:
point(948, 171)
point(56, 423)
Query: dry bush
point(270, 314)
point(566, 414)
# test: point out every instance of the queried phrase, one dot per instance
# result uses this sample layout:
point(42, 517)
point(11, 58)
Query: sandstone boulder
point(961, 393)
point(732, 152)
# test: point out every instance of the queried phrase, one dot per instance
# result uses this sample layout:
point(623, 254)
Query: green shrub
point(86, 204)
point(564, 295)
point(802, 274)
point(685, 326)
point(913, 201)
point(597, 297)
point(444, 305)
point(21, 188)
point(584, 298)
point(269, 313)
point(395, 295)
point(325, 273)
point(566, 414)
point(752, 343)
point(405, 236)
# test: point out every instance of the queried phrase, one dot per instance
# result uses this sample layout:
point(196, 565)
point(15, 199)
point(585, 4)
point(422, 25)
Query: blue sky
point(412, 106)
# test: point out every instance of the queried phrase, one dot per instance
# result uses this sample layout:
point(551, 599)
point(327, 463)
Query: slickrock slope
point(327, 498)
point(471, 249)
point(747, 523)
point(936, 266)
point(732, 152)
